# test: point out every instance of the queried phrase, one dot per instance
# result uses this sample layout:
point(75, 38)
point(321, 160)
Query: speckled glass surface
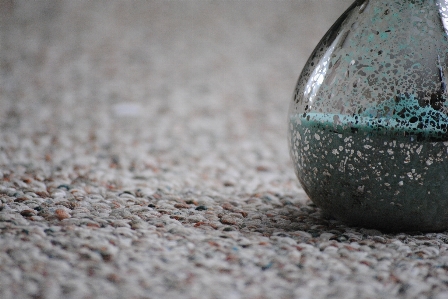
point(368, 123)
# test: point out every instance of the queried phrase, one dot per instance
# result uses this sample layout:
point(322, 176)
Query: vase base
point(373, 179)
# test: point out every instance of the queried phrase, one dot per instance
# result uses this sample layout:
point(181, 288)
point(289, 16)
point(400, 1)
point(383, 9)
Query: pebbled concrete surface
point(143, 154)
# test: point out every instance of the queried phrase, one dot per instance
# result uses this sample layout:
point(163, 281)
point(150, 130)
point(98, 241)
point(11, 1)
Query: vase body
point(368, 123)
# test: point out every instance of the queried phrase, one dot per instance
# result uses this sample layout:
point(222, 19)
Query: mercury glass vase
point(368, 123)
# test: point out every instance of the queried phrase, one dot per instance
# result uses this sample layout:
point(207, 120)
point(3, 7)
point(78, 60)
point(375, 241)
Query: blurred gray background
point(67, 52)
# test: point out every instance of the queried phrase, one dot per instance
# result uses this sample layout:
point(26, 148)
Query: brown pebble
point(181, 206)
point(61, 214)
point(199, 224)
point(93, 225)
point(115, 205)
point(262, 168)
point(113, 278)
point(213, 243)
point(213, 225)
point(28, 213)
point(242, 213)
point(107, 257)
point(28, 180)
point(42, 194)
point(20, 199)
point(228, 220)
point(229, 207)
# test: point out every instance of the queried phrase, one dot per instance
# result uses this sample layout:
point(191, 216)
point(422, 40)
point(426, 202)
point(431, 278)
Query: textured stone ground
point(143, 154)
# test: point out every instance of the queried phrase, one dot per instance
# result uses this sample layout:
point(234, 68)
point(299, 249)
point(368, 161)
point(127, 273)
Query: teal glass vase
point(368, 123)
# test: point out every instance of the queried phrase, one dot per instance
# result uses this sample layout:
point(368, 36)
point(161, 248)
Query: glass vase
point(368, 123)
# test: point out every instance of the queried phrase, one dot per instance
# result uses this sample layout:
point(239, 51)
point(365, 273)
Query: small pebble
point(64, 186)
point(61, 214)
point(181, 206)
point(228, 220)
point(28, 213)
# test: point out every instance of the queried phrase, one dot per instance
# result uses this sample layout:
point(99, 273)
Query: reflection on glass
point(443, 12)
point(318, 75)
